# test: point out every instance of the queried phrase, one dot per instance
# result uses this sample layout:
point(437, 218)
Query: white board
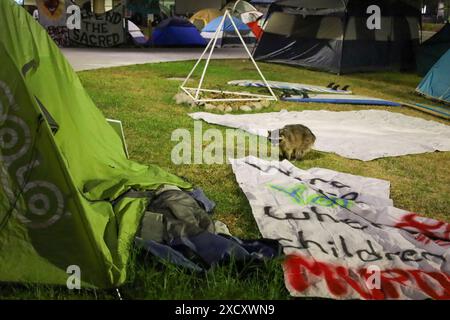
point(341, 99)
point(288, 86)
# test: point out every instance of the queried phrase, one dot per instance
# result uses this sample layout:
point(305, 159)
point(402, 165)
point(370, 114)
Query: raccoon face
point(51, 5)
point(53, 9)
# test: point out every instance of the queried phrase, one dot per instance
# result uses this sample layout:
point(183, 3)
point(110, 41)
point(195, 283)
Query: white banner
point(364, 135)
point(341, 235)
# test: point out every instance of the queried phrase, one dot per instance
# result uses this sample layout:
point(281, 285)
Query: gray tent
point(332, 35)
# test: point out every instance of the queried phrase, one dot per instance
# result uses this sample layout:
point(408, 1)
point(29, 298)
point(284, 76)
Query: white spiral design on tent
point(15, 139)
point(4, 176)
point(5, 183)
point(38, 204)
point(45, 204)
point(8, 94)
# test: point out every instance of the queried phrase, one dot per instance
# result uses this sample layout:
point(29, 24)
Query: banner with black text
point(100, 30)
point(342, 236)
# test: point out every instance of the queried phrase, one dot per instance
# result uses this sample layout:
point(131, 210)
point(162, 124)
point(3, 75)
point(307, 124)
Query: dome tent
point(243, 10)
point(332, 35)
point(430, 51)
point(436, 84)
point(203, 17)
point(227, 34)
point(239, 6)
point(71, 207)
point(177, 31)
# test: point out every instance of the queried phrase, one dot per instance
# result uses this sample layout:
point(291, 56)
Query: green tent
point(432, 50)
point(63, 169)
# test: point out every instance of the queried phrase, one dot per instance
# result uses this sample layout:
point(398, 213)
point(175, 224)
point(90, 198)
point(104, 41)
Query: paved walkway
point(92, 58)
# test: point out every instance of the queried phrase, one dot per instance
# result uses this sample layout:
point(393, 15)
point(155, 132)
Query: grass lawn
point(141, 96)
point(435, 27)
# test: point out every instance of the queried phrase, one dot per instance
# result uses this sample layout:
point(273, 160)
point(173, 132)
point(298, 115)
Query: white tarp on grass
point(342, 237)
point(364, 135)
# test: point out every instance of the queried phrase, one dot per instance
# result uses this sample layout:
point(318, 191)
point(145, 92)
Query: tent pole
point(194, 93)
point(251, 57)
point(197, 63)
point(199, 60)
point(216, 36)
point(345, 21)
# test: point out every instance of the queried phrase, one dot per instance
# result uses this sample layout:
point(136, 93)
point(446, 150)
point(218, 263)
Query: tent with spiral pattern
point(63, 170)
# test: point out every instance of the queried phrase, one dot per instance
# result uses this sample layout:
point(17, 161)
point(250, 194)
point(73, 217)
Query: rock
point(245, 108)
point(221, 108)
point(228, 109)
point(257, 105)
point(209, 106)
point(265, 103)
point(183, 98)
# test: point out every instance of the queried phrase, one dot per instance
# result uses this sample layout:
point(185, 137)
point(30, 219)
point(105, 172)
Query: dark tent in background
point(178, 32)
point(433, 49)
point(262, 5)
point(332, 35)
point(436, 84)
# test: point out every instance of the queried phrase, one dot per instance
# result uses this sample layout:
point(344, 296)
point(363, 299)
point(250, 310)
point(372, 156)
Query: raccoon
point(295, 141)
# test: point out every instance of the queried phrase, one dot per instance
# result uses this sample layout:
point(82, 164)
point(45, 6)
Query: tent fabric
point(243, 10)
point(262, 1)
point(177, 32)
point(432, 50)
point(136, 34)
point(203, 17)
point(239, 7)
point(227, 35)
point(227, 26)
point(61, 202)
point(256, 29)
point(436, 84)
point(332, 35)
